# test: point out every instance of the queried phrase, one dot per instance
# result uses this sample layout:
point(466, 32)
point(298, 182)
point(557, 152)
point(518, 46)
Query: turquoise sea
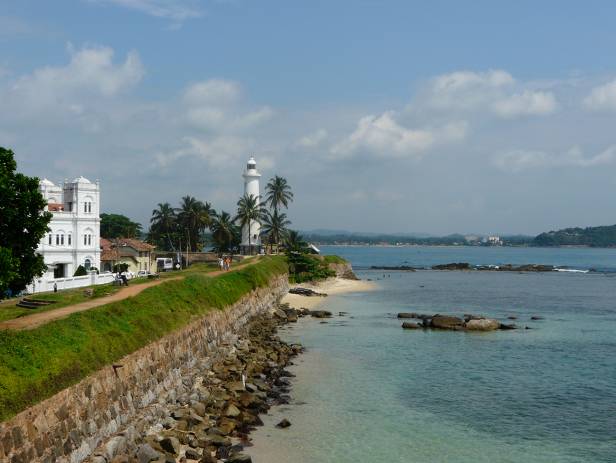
point(368, 391)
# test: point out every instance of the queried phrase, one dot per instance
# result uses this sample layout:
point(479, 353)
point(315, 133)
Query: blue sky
point(439, 117)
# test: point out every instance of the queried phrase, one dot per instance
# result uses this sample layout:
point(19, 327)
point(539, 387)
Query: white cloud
point(212, 91)
point(383, 136)
point(215, 150)
point(313, 139)
point(492, 91)
point(602, 97)
point(520, 160)
point(525, 103)
point(176, 10)
point(215, 105)
point(90, 72)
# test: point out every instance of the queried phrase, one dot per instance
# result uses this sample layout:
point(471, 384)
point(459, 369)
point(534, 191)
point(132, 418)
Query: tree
point(164, 226)
point(119, 226)
point(275, 226)
point(194, 217)
point(278, 193)
point(225, 233)
point(22, 226)
point(249, 210)
point(295, 242)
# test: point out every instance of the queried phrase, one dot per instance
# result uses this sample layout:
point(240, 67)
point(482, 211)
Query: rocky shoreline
point(220, 405)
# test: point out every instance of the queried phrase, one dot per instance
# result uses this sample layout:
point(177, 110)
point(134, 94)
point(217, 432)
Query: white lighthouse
point(251, 188)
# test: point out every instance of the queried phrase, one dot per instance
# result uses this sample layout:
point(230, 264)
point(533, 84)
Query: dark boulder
point(284, 424)
point(320, 313)
point(446, 322)
point(452, 266)
point(410, 326)
point(537, 317)
point(408, 315)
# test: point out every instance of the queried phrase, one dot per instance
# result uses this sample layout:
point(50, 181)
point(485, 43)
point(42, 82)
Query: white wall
point(41, 285)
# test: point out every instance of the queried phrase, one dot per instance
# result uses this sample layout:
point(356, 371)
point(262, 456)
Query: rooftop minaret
point(251, 187)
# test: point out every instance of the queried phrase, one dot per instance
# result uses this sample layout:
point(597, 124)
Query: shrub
point(81, 271)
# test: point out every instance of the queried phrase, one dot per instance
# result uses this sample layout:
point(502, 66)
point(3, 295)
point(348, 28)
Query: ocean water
point(366, 390)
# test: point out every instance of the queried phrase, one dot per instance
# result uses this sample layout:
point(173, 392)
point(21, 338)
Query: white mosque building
point(73, 238)
point(251, 240)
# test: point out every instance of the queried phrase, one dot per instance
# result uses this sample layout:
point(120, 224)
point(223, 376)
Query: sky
point(435, 117)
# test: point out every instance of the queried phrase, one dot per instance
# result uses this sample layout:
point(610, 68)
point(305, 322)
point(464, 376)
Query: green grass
point(334, 260)
point(35, 364)
point(63, 298)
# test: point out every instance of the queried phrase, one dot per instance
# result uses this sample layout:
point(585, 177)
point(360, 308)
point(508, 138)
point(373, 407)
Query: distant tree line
point(603, 236)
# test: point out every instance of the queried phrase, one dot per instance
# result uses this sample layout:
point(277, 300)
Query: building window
point(87, 264)
point(69, 239)
point(50, 239)
point(89, 207)
point(57, 240)
point(85, 207)
point(85, 239)
point(89, 239)
point(62, 239)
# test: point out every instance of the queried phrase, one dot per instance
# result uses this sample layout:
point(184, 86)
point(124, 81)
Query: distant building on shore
point(251, 240)
point(74, 235)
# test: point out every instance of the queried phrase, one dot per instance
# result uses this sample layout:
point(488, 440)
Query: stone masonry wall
point(69, 426)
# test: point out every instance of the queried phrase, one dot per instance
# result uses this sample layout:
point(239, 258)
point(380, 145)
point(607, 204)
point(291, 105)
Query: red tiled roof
point(55, 207)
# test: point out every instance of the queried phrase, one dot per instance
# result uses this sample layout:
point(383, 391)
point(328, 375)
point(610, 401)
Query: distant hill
point(600, 237)
point(345, 238)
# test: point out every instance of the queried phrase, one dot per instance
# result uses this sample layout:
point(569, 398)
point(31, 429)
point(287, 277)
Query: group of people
point(224, 263)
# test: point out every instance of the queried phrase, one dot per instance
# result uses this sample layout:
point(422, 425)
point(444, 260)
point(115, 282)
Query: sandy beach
point(331, 286)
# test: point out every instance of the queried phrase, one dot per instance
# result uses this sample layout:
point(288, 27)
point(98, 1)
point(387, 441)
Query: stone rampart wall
point(69, 426)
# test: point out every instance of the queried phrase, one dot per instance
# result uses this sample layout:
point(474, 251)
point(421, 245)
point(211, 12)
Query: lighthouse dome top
point(252, 164)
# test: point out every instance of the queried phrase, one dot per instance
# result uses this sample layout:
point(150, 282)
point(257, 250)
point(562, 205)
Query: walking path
point(37, 319)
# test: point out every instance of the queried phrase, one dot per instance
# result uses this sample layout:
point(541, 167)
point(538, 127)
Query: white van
point(164, 264)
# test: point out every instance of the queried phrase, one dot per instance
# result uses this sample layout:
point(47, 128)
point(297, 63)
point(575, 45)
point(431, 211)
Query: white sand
point(330, 286)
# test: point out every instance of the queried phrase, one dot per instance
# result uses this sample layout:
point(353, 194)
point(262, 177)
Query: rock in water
point(446, 322)
point(321, 313)
point(284, 424)
point(483, 324)
point(240, 458)
point(410, 326)
point(407, 315)
point(536, 317)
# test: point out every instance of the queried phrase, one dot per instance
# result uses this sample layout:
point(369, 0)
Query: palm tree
point(278, 193)
point(295, 242)
point(249, 210)
point(275, 226)
point(194, 216)
point(164, 222)
point(224, 232)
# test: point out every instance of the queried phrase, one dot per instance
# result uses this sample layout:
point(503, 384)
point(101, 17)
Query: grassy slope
point(36, 364)
point(334, 260)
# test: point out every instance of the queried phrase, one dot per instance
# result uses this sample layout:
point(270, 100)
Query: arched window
point(49, 242)
point(87, 264)
point(69, 239)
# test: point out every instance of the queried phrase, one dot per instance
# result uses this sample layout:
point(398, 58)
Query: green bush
point(306, 267)
point(80, 272)
point(35, 364)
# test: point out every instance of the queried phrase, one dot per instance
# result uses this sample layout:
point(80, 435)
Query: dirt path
point(37, 319)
